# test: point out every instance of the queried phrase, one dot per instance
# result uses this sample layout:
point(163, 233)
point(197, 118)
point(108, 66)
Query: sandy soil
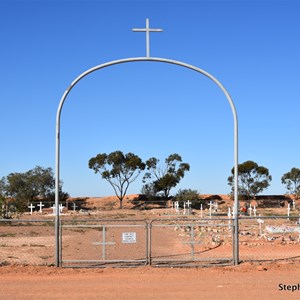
point(247, 281)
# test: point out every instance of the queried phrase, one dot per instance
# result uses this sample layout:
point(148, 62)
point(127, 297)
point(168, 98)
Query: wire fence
point(269, 238)
point(26, 242)
point(173, 241)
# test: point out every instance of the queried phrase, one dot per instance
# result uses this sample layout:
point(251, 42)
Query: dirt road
point(247, 281)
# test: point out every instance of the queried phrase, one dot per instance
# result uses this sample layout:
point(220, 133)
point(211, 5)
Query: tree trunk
point(121, 204)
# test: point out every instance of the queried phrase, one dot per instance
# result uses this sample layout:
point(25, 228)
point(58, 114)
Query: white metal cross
point(254, 210)
point(31, 208)
point(41, 206)
point(210, 207)
point(61, 207)
point(74, 206)
point(53, 208)
point(250, 210)
point(147, 30)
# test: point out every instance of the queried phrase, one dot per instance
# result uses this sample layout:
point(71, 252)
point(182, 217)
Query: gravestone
point(41, 205)
point(31, 208)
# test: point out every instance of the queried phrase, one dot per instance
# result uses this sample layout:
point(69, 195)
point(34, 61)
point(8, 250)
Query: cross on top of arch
point(147, 30)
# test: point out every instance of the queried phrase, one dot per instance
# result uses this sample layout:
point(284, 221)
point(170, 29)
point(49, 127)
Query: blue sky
point(150, 109)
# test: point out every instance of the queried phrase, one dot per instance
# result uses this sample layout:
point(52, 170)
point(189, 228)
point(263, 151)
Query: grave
point(74, 206)
point(61, 207)
point(31, 208)
point(282, 229)
point(260, 222)
point(41, 205)
point(288, 210)
point(201, 210)
point(189, 207)
point(250, 210)
point(254, 211)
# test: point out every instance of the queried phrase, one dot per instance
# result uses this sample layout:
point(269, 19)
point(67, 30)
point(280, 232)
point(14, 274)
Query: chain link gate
point(191, 242)
point(131, 243)
point(103, 243)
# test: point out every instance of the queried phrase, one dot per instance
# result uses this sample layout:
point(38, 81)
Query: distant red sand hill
point(113, 201)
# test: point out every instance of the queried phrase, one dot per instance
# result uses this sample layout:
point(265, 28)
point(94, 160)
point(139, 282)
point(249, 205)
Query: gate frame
point(140, 59)
point(190, 222)
point(104, 223)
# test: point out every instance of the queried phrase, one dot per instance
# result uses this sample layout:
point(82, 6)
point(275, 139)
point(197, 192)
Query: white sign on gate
point(129, 237)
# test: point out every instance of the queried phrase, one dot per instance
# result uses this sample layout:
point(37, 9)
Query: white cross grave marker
point(31, 208)
point(254, 211)
point(74, 206)
point(260, 221)
point(201, 210)
point(288, 209)
point(294, 205)
point(229, 217)
point(61, 207)
point(216, 207)
point(189, 206)
point(177, 206)
point(184, 211)
point(53, 209)
point(210, 206)
point(250, 210)
point(41, 206)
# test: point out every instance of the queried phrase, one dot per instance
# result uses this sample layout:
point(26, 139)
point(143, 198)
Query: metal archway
point(139, 59)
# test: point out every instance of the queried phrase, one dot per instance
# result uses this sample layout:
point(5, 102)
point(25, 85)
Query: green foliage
point(159, 180)
point(187, 194)
point(119, 169)
point(3, 199)
point(149, 191)
point(35, 184)
point(291, 180)
point(252, 179)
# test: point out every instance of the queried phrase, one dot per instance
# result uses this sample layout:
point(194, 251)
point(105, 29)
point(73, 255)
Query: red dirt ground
point(246, 281)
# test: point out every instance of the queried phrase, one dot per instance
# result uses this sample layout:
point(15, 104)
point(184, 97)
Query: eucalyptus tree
point(160, 179)
point(252, 179)
point(3, 198)
point(291, 180)
point(119, 169)
point(35, 184)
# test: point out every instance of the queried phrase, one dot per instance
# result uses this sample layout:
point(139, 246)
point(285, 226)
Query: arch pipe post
point(139, 59)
